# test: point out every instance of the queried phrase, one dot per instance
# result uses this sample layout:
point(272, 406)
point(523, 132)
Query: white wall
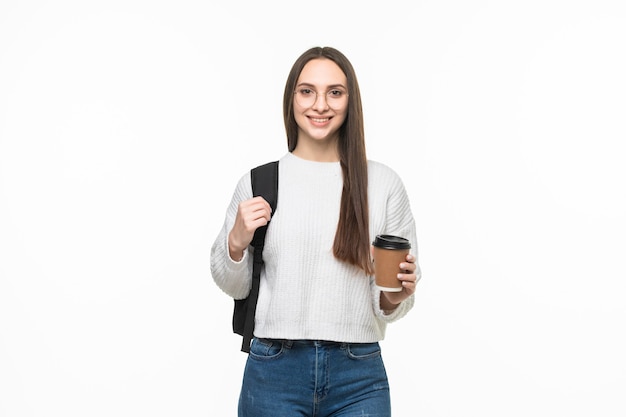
point(125, 125)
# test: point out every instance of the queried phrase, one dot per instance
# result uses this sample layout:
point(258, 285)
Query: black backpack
point(265, 184)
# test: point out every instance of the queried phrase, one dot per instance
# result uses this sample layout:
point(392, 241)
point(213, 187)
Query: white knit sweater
point(305, 292)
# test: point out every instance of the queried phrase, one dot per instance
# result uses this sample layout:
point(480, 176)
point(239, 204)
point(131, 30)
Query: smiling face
point(321, 105)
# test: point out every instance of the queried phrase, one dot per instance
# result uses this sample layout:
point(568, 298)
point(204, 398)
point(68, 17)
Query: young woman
point(319, 316)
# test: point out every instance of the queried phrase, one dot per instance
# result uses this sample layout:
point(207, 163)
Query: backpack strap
point(265, 184)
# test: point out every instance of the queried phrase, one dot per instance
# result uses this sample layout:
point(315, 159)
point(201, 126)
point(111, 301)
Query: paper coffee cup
point(388, 252)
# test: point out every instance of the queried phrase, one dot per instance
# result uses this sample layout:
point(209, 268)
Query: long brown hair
point(352, 240)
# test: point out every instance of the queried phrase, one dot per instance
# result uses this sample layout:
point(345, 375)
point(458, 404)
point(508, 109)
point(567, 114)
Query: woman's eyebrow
point(328, 87)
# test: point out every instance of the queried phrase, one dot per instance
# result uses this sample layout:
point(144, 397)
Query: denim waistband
point(288, 343)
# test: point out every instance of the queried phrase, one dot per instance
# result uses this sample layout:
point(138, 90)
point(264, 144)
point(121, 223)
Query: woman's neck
point(317, 151)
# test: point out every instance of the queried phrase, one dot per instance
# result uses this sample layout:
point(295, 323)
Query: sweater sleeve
point(232, 277)
point(399, 221)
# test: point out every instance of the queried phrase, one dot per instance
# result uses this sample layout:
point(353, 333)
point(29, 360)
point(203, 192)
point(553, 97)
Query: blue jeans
point(285, 378)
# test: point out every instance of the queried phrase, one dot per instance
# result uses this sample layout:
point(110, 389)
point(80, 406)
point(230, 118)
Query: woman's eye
point(306, 91)
point(335, 93)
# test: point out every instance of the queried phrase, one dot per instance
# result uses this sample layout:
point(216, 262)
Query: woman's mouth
point(319, 120)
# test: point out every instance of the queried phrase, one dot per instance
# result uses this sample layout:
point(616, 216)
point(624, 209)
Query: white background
point(124, 126)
